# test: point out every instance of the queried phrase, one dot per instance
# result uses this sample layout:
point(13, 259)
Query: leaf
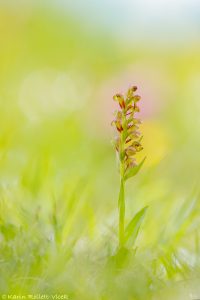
point(135, 170)
point(133, 227)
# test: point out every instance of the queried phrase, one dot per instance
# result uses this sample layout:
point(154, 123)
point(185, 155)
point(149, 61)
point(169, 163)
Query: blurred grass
point(58, 177)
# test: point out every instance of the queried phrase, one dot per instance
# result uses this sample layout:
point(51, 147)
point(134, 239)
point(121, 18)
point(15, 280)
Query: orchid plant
point(127, 144)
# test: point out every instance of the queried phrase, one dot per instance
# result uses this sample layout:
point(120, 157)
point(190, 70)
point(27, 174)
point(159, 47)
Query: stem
point(121, 201)
point(121, 207)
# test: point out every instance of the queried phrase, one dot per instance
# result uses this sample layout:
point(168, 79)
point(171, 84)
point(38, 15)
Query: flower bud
point(138, 147)
point(137, 98)
point(130, 151)
point(120, 99)
point(131, 91)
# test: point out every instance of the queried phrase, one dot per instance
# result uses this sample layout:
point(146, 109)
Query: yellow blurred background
point(60, 64)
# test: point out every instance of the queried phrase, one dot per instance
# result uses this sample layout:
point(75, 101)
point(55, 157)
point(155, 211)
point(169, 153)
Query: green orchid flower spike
point(127, 144)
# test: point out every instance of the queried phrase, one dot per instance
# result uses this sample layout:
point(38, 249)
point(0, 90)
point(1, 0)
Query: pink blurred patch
point(152, 87)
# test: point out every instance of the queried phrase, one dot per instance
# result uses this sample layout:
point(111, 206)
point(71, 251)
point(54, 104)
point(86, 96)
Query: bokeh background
point(60, 64)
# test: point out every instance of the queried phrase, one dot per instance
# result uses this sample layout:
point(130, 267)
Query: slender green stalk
point(121, 207)
point(121, 200)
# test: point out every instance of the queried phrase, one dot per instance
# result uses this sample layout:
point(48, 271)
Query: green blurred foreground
point(58, 174)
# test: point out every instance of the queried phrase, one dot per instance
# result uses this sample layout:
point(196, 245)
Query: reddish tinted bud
point(134, 88)
point(119, 126)
point(129, 109)
point(135, 134)
point(131, 91)
point(120, 99)
point(137, 98)
point(122, 104)
point(130, 151)
point(132, 127)
point(117, 97)
point(128, 140)
point(138, 147)
point(132, 163)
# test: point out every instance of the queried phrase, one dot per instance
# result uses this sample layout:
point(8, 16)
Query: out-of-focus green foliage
point(58, 176)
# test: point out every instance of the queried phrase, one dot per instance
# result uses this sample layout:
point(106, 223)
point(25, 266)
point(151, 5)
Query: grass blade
point(133, 227)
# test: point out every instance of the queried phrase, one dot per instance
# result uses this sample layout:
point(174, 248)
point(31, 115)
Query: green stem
point(121, 207)
point(121, 201)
